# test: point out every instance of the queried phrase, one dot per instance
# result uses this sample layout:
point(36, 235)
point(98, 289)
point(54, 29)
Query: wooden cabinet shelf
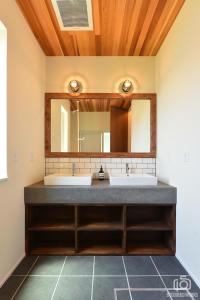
point(52, 250)
point(100, 229)
point(149, 249)
point(101, 250)
point(101, 226)
point(159, 226)
point(52, 226)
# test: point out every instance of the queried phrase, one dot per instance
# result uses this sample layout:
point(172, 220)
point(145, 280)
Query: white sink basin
point(64, 179)
point(133, 179)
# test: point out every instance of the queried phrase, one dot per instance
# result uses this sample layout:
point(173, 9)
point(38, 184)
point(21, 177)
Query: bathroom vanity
point(103, 218)
point(100, 219)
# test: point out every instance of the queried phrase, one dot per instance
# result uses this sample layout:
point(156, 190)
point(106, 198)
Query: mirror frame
point(137, 96)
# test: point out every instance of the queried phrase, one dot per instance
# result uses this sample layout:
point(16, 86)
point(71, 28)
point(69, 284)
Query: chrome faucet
point(73, 169)
point(127, 169)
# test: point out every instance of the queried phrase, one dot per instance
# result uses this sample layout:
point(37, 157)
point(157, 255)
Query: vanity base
point(104, 229)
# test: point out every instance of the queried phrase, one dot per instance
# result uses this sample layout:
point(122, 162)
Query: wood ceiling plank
point(34, 23)
point(126, 24)
point(43, 16)
point(96, 17)
point(106, 26)
point(117, 21)
point(118, 15)
point(139, 25)
point(133, 25)
point(75, 45)
point(167, 27)
point(145, 28)
point(160, 25)
point(86, 43)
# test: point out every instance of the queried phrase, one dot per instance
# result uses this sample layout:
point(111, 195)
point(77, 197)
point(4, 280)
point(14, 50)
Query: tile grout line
point(92, 290)
point(191, 296)
point(58, 278)
point(161, 278)
point(17, 290)
point(127, 279)
point(113, 275)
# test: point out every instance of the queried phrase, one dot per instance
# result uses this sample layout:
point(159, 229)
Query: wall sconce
point(74, 86)
point(126, 86)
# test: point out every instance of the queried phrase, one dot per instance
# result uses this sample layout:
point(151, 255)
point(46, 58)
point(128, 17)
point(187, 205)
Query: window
point(3, 102)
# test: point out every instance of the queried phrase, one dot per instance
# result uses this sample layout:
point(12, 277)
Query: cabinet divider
point(124, 228)
point(76, 227)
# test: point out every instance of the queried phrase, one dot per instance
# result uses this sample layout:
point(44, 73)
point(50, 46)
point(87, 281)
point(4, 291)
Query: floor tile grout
point(58, 278)
point(92, 290)
point(18, 288)
point(131, 298)
point(160, 277)
point(106, 275)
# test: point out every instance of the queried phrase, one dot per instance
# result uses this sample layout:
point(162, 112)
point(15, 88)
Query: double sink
point(78, 179)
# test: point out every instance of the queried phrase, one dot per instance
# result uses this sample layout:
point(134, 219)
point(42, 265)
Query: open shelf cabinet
point(100, 229)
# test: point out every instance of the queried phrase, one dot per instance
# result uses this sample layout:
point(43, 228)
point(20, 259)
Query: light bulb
point(126, 86)
point(74, 86)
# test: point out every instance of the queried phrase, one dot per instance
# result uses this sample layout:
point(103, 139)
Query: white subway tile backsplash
point(121, 166)
point(116, 160)
point(85, 160)
point(92, 165)
point(65, 159)
point(137, 160)
point(105, 159)
point(147, 160)
point(95, 159)
point(80, 165)
point(74, 159)
point(151, 166)
point(85, 171)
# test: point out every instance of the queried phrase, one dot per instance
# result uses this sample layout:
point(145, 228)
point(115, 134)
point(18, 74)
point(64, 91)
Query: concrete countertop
point(100, 192)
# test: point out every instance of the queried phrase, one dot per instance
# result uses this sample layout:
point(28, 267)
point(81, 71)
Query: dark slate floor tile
point(78, 265)
point(150, 295)
point(48, 265)
point(109, 265)
point(169, 265)
point(122, 295)
point(104, 287)
point(139, 265)
point(74, 288)
point(25, 265)
point(10, 287)
point(145, 282)
point(34, 288)
point(182, 282)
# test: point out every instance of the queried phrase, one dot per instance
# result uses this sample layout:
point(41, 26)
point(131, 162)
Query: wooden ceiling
point(121, 27)
point(99, 105)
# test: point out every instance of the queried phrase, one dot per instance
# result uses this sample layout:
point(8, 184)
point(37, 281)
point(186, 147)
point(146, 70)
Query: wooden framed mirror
point(100, 125)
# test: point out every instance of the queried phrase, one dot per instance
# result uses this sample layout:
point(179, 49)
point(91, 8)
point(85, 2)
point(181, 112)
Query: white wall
point(26, 67)
point(178, 86)
point(3, 101)
point(100, 74)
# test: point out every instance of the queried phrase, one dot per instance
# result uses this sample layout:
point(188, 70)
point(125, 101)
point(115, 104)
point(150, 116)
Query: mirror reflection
point(100, 125)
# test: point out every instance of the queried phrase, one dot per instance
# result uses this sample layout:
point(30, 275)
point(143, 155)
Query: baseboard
point(188, 270)
point(11, 271)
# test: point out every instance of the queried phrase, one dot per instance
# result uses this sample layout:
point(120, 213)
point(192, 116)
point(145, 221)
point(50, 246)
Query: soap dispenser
point(101, 174)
